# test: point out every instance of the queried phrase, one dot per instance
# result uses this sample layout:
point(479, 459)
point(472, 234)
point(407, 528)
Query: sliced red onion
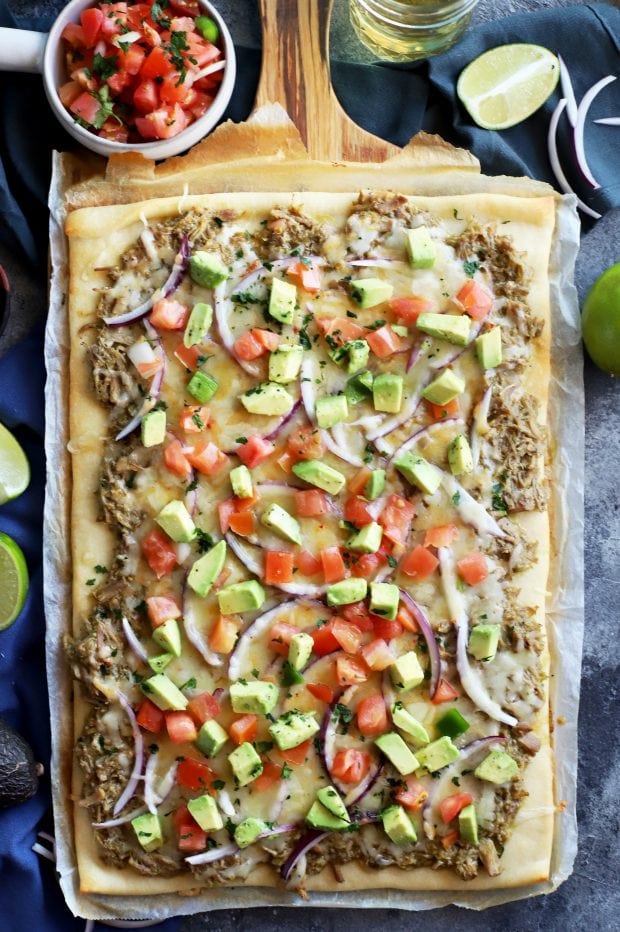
point(225, 803)
point(305, 844)
point(481, 412)
point(471, 512)
point(149, 775)
point(327, 736)
point(470, 680)
point(274, 485)
point(165, 787)
point(253, 275)
point(582, 112)
point(554, 159)
point(387, 689)
point(246, 555)
point(141, 353)
point(568, 92)
point(134, 777)
point(278, 830)
point(163, 792)
point(213, 854)
point(254, 631)
point(420, 433)
point(222, 308)
point(193, 634)
point(209, 69)
point(609, 121)
point(372, 263)
point(121, 820)
point(133, 641)
point(152, 397)
point(429, 637)
point(171, 284)
point(414, 354)
point(272, 435)
point(358, 792)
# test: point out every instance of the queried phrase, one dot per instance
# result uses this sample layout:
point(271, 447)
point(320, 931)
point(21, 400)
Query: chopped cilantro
point(286, 771)
point(204, 539)
point(498, 503)
point(471, 267)
point(391, 561)
point(101, 569)
point(456, 498)
point(190, 684)
point(104, 66)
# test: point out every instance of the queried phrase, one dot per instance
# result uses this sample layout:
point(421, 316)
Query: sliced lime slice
point(14, 467)
point(507, 84)
point(13, 580)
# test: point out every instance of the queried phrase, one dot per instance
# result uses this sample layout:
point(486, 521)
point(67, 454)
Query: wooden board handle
point(295, 74)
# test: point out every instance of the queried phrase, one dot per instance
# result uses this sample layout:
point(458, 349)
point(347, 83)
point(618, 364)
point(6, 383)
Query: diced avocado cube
point(153, 428)
point(241, 481)
point(419, 472)
point(460, 456)
point(148, 831)
point(285, 363)
point(248, 831)
point(241, 597)
point(168, 636)
point(489, 348)
point(278, 520)
point(198, 325)
point(159, 663)
point(359, 388)
point(359, 351)
point(293, 728)
point(321, 818)
point(300, 648)
point(387, 392)
point(282, 300)
point(347, 591)
point(206, 569)
point(202, 387)
point(331, 410)
point(468, 824)
point(331, 799)
point(497, 767)
point(452, 724)
point(368, 292)
point(397, 752)
point(207, 269)
point(400, 330)
point(398, 826)
point(483, 641)
point(176, 521)
point(245, 763)
point(454, 328)
point(444, 388)
point(256, 697)
point(314, 472)
point(375, 485)
point(367, 539)
point(404, 721)
point(421, 248)
point(204, 810)
point(406, 672)
point(438, 754)
point(384, 598)
point(162, 691)
point(211, 738)
point(268, 398)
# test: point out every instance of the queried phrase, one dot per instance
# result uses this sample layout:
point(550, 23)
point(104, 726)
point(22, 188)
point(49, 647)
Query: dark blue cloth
point(393, 103)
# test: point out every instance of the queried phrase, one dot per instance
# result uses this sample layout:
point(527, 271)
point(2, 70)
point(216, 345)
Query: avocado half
point(19, 772)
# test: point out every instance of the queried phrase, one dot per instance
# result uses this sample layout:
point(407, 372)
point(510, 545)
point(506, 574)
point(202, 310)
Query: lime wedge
point(13, 580)
point(507, 84)
point(14, 467)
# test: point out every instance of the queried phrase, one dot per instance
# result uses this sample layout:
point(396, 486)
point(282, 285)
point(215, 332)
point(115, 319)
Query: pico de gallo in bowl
point(139, 73)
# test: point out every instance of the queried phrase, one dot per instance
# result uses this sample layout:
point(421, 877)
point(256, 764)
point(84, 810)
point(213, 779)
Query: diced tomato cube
point(307, 563)
point(223, 635)
point(307, 275)
point(255, 451)
point(419, 563)
point(225, 509)
point(194, 419)
point(278, 567)
point(311, 503)
point(280, 637)
point(321, 692)
point(207, 458)
point(159, 552)
point(476, 300)
point(340, 330)
point(384, 342)
point(296, 755)
point(333, 565)
point(180, 727)
point(116, 132)
point(189, 356)
point(450, 807)
point(168, 314)
point(386, 629)
point(409, 309)
point(441, 536)
point(243, 523)
point(450, 838)
point(204, 53)
point(86, 107)
point(69, 92)
point(118, 81)
point(272, 772)
point(365, 565)
point(247, 347)
point(348, 636)
point(146, 96)
point(357, 483)
point(356, 511)
point(350, 672)
point(407, 620)
point(199, 103)
point(156, 64)
point(150, 717)
point(131, 60)
point(472, 568)
point(161, 608)
point(357, 614)
point(176, 460)
point(244, 729)
point(377, 655)
point(445, 693)
point(396, 518)
point(174, 89)
point(305, 443)
point(350, 765)
point(266, 338)
point(439, 412)
point(372, 716)
point(191, 839)
point(413, 795)
point(194, 775)
point(163, 123)
point(324, 640)
point(203, 708)
point(73, 33)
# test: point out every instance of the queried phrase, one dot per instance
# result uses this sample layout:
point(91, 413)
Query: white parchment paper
point(564, 610)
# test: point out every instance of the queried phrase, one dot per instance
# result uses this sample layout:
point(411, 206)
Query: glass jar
point(405, 30)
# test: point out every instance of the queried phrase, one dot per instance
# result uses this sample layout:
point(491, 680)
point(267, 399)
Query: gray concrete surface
point(590, 899)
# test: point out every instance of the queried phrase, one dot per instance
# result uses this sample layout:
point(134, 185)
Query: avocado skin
point(19, 778)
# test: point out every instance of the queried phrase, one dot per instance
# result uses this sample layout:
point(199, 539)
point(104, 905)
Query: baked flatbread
point(468, 542)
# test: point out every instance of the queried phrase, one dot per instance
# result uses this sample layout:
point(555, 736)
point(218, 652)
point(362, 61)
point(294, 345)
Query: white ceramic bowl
point(31, 51)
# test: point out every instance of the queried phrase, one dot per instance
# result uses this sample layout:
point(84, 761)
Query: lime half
point(14, 467)
point(13, 580)
point(507, 84)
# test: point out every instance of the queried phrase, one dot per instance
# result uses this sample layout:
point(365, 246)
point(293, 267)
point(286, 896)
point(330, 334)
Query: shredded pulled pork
point(522, 622)
point(521, 319)
point(376, 216)
point(118, 503)
point(289, 229)
point(516, 550)
point(115, 383)
point(497, 254)
point(98, 653)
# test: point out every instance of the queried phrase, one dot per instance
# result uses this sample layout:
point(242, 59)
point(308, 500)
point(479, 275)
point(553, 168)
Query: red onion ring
point(372, 263)
point(554, 159)
point(154, 391)
point(134, 777)
point(214, 854)
point(254, 630)
point(429, 637)
point(568, 92)
point(308, 397)
point(305, 844)
point(362, 789)
point(133, 641)
point(578, 131)
point(272, 435)
point(171, 284)
point(278, 830)
point(248, 278)
point(247, 558)
point(193, 634)
point(121, 820)
point(149, 773)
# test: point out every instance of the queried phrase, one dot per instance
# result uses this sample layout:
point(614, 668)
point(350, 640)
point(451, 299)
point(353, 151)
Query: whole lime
point(600, 321)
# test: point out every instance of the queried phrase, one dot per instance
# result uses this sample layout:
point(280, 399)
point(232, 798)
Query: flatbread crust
point(97, 236)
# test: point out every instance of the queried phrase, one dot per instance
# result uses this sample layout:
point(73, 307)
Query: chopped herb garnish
point(286, 771)
point(456, 498)
point(190, 684)
point(471, 267)
point(204, 540)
